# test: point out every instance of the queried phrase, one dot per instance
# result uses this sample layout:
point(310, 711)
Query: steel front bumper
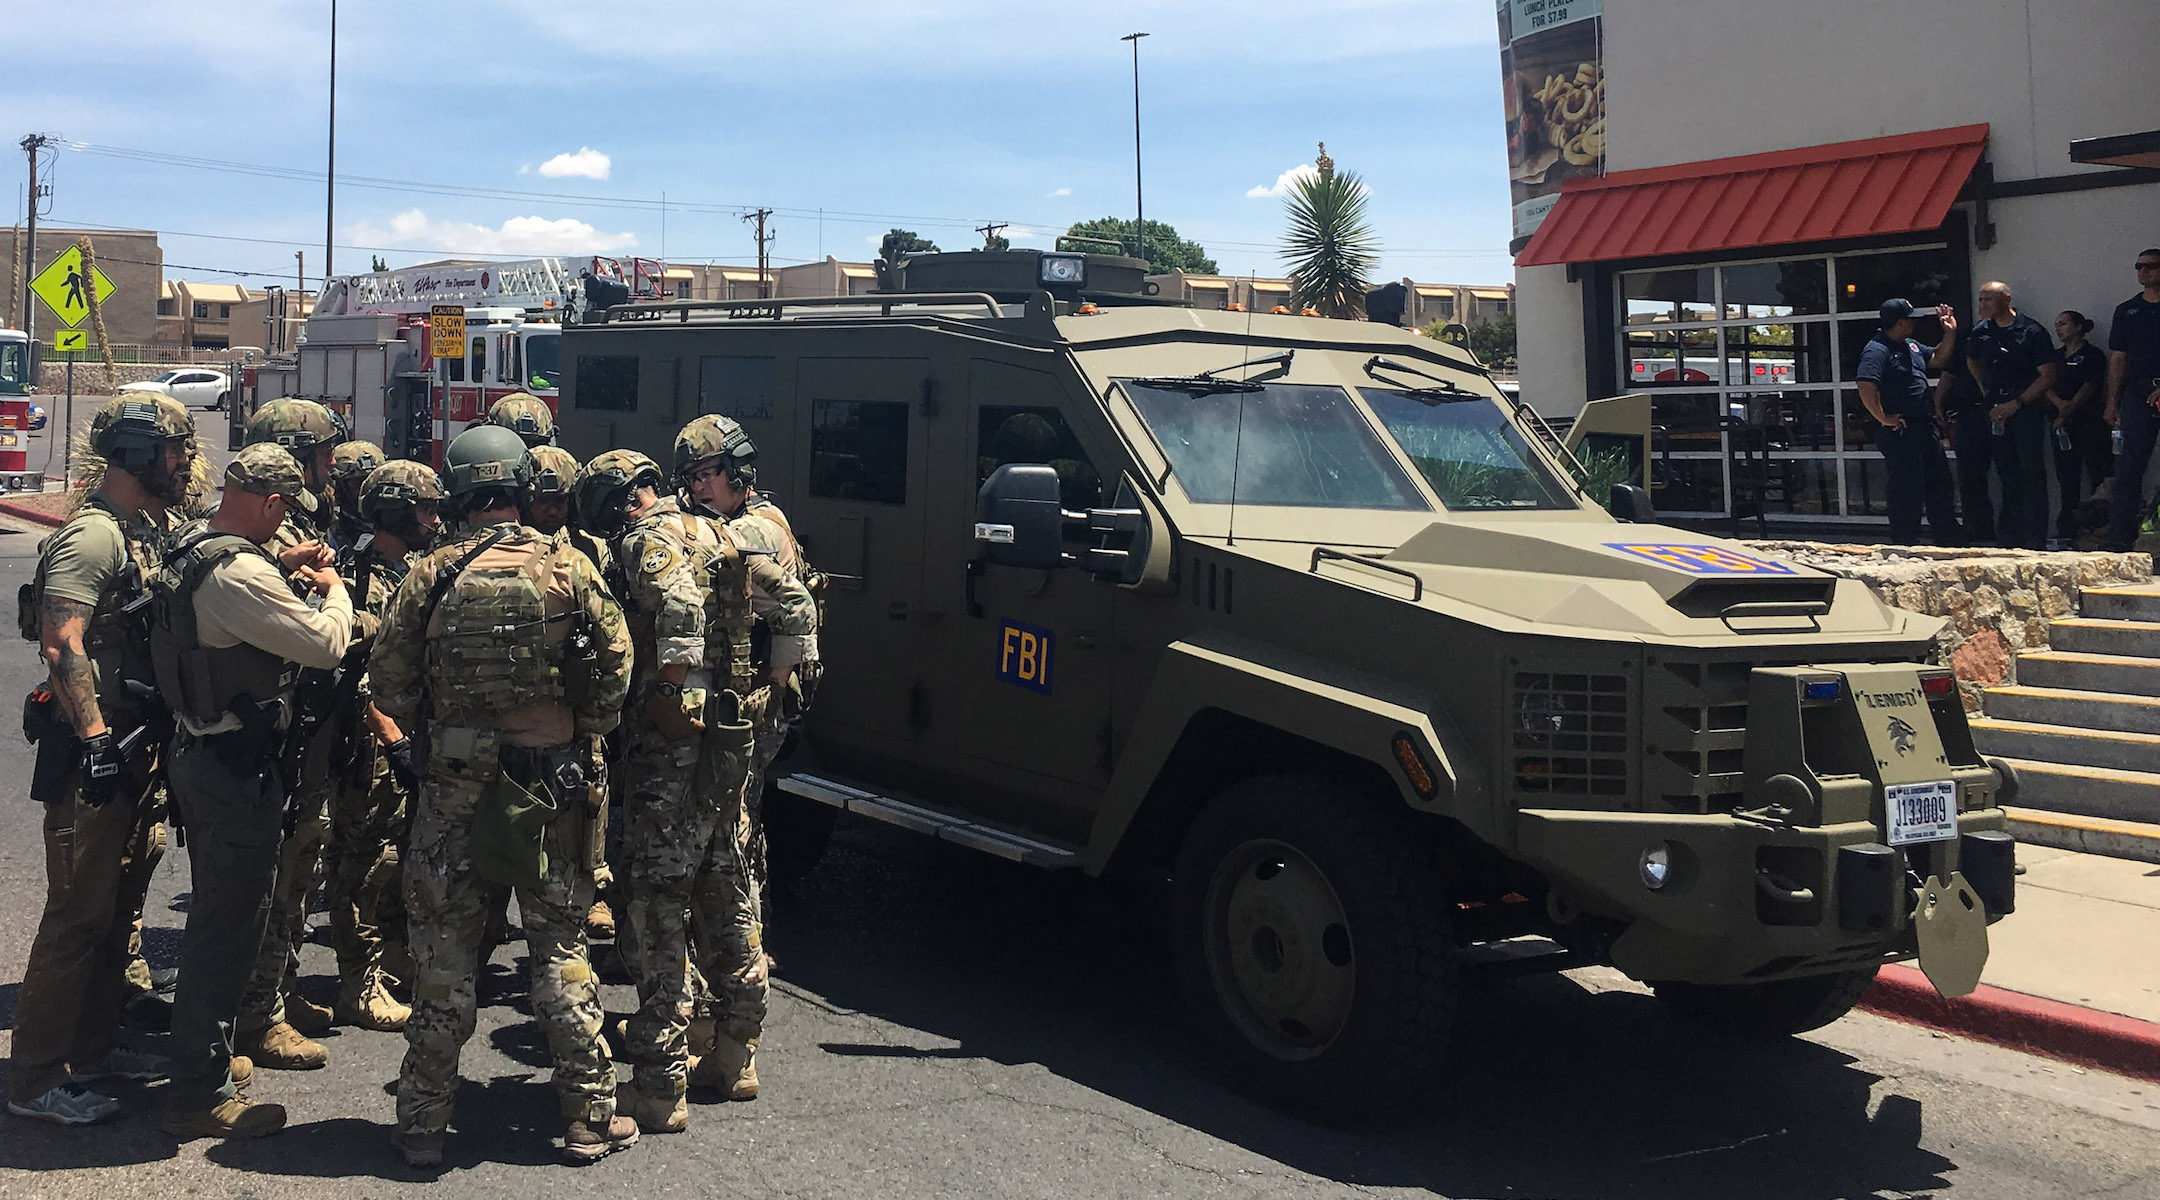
point(1745, 901)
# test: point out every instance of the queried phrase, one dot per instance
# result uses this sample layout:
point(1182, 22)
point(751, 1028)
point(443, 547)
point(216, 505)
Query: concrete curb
point(34, 516)
point(2034, 1024)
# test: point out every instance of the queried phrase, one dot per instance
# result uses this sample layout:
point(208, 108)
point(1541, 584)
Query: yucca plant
point(1329, 246)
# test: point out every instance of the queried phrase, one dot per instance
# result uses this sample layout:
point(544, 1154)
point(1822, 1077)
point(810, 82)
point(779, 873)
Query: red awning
point(1899, 184)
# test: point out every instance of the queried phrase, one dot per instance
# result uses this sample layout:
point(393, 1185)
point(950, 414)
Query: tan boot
point(366, 1003)
point(600, 923)
point(589, 1141)
point(307, 1016)
point(702, 1032)
point(731, 1068)
point(238, 1117)
point(654, 1114)
point(243, 1071)
point(280, 1047)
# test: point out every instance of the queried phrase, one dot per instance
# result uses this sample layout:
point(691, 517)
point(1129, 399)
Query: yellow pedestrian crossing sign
point(71, 339)
point(62, 287)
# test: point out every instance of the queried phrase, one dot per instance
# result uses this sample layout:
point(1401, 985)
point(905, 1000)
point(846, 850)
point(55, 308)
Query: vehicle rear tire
point(796, 833)
point(1311, 943)
point(1779, 1008)
point(221, 400)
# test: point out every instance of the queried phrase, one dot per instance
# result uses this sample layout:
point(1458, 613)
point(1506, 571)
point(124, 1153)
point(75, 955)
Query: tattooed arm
point(64, 622)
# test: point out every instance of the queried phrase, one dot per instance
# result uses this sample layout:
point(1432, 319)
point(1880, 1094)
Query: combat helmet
point(391, 496)
point(131, 430)
point(555, 471)
point(708, 437)
point(486, 458)
point(298, 425)
point(606, 485)
point(525, 415)
point(350, 464)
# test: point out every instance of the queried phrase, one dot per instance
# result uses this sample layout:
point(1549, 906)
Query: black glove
point(101, 768)
point(399, 754)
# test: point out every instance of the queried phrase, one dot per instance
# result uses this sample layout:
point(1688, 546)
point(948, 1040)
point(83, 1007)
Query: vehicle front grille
point(1694, 734)
point(1569, 733)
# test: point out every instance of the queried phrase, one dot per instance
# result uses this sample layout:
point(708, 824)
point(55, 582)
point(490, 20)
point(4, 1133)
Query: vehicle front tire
point(1311, 942)
point(1779, 1008)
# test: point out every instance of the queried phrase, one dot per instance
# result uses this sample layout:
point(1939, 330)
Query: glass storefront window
point(1797, 420)
point(1865, 481)
point(1671, 358)
point(1795, 288)
point(1675, 297)
point(1693, 485)
point(1772, 355)
point(1809, 485)
point(1921, 276)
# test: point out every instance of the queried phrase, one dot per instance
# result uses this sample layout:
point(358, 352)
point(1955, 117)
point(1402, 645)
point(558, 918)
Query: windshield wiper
point(1449, 392)
point(1208, 383)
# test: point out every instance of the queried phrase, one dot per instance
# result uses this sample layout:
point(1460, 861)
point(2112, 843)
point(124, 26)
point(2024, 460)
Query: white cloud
point(525, 169)
point(587, 163)
point(1282, 182)
point(1061, 192)
point(518, 235)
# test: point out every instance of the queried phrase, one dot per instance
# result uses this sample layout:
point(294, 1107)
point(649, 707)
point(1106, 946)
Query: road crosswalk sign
point(62, 287)
point(71, 339)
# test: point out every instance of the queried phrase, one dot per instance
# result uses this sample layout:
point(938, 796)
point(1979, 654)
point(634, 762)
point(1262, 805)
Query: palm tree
point(1329, 245)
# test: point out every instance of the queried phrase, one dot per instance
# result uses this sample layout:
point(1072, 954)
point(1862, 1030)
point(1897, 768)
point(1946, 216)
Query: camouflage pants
point(685, 843)
point(367, 829)
point(448, 903)
point(299, 870)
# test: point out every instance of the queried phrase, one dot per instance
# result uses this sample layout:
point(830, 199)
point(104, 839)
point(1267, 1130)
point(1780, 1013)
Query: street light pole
point(330, 172)
point(1139, 203)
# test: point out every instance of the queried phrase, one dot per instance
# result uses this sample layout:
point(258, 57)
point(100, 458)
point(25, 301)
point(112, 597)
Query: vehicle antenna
point(1237, 444)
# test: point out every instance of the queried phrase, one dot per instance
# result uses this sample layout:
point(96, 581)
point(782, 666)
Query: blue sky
point(935, 115)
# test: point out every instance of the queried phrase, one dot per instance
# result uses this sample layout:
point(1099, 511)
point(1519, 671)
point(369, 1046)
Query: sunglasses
point(2148, 266)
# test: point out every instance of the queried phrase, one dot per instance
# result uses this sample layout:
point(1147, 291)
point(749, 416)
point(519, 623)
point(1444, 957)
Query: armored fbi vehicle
point(1302, 618)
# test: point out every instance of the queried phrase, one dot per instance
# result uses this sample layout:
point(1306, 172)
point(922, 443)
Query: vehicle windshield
point(1470, 452)
point(167, 377)
point(14, 365)
point(1289, 444)
point(543, 360)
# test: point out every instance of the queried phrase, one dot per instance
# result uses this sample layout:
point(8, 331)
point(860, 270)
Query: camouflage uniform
point(690, 588)
point(473, 733)
point(761, 527)
point(303, 427)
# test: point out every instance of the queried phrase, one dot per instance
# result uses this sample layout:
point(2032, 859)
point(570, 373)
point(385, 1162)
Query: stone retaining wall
point(90, 376)
point(1999, 602)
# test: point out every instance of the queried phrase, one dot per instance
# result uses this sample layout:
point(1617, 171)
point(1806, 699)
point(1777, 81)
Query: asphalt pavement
point(946, 1025)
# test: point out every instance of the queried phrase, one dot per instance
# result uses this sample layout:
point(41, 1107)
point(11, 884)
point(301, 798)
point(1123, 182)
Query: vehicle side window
point(736, 385)
point(607, 381)
point(479, 358)
point(858, 450)
point(1007, 434)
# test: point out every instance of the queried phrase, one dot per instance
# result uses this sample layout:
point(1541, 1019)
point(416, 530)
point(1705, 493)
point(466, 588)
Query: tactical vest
point(725, 579)
point(117, 640)
point(204, 682)
point(813, 580)
point(487, 643)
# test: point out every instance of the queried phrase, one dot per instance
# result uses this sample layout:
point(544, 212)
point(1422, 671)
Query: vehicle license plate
point(1921, 812)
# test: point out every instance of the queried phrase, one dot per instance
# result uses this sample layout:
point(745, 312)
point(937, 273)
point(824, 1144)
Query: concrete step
point(2078, 791)
point(2121, 603)
point(2062, 744)
point(2077, 709)
point(2134, 840)
point(2088, 635)
point(2128, 676)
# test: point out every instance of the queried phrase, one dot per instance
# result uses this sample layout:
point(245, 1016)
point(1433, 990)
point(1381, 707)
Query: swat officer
point(505, 652)
point(714, 466)
point(351, 462)
point(689, 587)
point(398, 505)
point(275, 1019)
point(96, 765)
point(525, 415)
point(228, 636)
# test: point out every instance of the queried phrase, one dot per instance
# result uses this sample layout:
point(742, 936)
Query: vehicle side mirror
point(1019, 521)
point(1632, 504)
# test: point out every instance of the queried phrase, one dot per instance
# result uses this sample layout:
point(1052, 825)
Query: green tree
point(1494, 341)
point(380, 265)
point(1329, 246)
point(997, 241)
point(904, 241)
point(1166, 251)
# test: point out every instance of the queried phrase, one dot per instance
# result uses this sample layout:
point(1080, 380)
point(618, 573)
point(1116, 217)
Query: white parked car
point(192, 386)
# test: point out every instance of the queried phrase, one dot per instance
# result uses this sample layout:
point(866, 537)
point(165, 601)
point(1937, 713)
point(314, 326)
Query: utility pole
point(32, 145)
point(990, 232)
point(764, 287)
point(330, 171)
point(1139, 204)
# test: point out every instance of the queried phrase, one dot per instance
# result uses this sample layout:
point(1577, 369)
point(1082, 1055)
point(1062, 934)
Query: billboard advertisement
point(1552, 70)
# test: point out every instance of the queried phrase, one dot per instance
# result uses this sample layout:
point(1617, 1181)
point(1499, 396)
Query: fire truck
point(365, 350)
